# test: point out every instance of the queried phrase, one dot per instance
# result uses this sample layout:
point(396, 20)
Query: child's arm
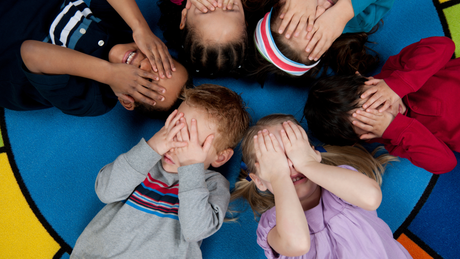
point(412, 140)
point(351, 186)
point(203, 202)
point(408, 71)
point(155, 50)
point(328, 27)
point(291, 235)
point(46, 58)
point(117, 180)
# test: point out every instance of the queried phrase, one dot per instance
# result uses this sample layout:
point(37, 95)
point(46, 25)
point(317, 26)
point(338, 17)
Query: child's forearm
point(203, 199)
point(291, 235)
point(412, 140)
point(344, 11)
point(46, 58)
point(349, 185)
point(117, 180)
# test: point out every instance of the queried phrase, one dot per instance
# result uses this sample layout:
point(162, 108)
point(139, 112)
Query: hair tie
point(245, 168)
point(320, 149)
point(266, 46)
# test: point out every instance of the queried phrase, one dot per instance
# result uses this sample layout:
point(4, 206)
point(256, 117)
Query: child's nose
point(145, 65)
point(290, 164)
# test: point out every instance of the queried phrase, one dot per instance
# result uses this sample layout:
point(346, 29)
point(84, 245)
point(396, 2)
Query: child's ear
point(223, 157)
point(258, 182)
point(183, 18)
point(127, 103)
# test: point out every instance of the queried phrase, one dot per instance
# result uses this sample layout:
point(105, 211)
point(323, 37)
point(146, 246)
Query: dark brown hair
point(347, 54)
point(207, 59)
point(328, 108)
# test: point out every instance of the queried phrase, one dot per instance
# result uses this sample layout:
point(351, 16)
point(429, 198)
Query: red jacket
point(428, 81)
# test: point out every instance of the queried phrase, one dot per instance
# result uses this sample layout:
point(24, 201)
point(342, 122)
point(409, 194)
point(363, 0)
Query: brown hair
point(206, 58)
point(347, 54)
point(225, 107)
point(355, 156)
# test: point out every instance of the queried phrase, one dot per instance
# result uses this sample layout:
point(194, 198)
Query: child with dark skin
point(83, 78)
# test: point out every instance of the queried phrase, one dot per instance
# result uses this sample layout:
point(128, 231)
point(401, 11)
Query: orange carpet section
point(414, 250)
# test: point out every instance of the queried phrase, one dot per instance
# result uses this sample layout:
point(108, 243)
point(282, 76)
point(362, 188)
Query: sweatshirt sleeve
point(408, 71)
point(367, 14)
point(117, 180)
point(203, 200)
point(410, 139)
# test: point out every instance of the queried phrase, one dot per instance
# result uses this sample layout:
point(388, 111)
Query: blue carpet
point(57, 157)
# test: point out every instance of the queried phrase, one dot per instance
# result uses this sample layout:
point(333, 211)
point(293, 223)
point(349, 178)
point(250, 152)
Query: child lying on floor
point(312, 204)
point(411, 106)
point(74, 57)
point(162, 200)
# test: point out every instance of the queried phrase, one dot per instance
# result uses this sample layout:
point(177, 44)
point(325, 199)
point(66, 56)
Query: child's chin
point(169, 168)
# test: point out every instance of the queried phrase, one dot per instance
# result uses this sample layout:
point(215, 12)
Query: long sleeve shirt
point(151, 212)
point(428, 81)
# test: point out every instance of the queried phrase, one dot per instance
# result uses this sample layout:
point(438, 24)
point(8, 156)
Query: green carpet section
point(452, 16)
point(1, 138)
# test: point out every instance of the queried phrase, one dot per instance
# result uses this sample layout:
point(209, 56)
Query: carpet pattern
point(49, 161)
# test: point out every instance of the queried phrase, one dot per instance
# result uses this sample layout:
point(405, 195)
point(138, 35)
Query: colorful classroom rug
point(49, 161)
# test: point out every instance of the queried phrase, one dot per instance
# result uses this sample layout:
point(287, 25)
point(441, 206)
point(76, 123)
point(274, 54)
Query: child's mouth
point(300, 178)
point(168, 160)
point(129, 56)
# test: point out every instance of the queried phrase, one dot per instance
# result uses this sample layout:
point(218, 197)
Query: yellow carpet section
point(22, 235)
point(415, 251)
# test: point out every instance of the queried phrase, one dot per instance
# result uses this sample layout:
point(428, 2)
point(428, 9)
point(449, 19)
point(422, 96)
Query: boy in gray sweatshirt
point(162, 200)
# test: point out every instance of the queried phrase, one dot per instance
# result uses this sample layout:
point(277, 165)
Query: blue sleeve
point(74, 95)
point(367, 14)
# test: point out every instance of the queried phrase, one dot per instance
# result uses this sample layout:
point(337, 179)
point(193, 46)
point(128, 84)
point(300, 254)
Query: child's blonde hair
point(225, 107)
point(355, 156)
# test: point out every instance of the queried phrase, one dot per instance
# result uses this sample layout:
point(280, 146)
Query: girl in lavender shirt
point(322, 210)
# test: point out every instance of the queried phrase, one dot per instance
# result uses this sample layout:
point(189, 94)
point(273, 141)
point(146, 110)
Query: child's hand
point(204, 5)
point(323, 5)
point(271, 160)
point(163, 140)
point(227, 4)
point(373, 122)
point(381, 94)
point(129, 82)
point(297, 14)
point(297, 146)
point(326, 29)
point(194, 152)
point(155, 50)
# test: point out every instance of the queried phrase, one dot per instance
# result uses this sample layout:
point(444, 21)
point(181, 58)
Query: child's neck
point(313, 200)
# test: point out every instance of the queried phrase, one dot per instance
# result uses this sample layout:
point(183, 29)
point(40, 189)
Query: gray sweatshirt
point(143, 217)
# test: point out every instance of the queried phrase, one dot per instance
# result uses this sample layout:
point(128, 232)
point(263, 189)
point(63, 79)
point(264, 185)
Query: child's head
point(329, 108)
point(345, 56)
point(218, 111)
point(261, 200)
point(130, 54)
point(213, 43)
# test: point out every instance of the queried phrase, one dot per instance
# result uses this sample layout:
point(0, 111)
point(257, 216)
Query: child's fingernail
point(287, 36)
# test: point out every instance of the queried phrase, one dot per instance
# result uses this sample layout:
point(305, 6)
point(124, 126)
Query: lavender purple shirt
point(339, 230)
